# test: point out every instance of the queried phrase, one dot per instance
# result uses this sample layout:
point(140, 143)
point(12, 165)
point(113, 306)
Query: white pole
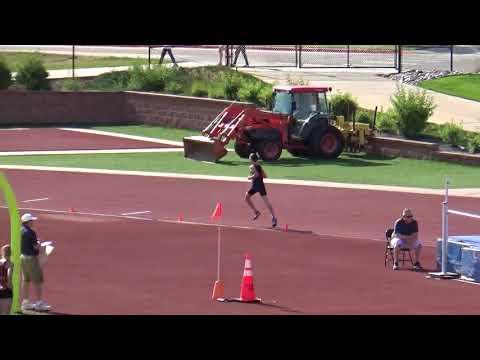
point(218, 255)
point(444, 236)
point(445, 229)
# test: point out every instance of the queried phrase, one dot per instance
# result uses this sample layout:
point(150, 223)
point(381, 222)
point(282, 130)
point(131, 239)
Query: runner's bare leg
point(269, 206)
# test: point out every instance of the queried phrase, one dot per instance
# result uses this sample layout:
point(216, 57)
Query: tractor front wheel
point(243, 149)
point(328, 144)
point(270, 150)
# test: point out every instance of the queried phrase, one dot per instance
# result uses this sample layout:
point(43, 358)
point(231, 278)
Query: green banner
point(15, 227)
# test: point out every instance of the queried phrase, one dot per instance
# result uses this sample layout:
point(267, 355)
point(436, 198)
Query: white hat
point(28, 217)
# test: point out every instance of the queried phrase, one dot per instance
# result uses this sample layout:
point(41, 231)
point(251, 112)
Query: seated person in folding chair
point(406, 236)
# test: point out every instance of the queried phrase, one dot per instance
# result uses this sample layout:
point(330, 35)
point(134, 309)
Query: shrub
point(5, 75)
point(216, 91)
point(344, 105)
point(412, 109)
point(452, 133)
point(199, 89)
point(72, 85)
point(174, 87)
point(111, 80)
point(386, 122)
point(363, 117)
point(473, 144)
point(251, 91)
point(154, 79)
point(266, 95)
point(33, 75)
point(232, 84)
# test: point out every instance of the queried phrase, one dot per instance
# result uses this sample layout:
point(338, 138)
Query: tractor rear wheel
point(270, 150)
point(328, 144)
point(243, 149)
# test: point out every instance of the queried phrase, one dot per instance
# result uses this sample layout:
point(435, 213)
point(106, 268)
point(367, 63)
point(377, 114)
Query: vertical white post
point(445, 229)
point(444, 236)
point(218, 255)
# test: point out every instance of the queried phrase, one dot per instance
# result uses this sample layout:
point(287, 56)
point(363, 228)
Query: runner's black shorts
point(6, 293)
point(257, 187)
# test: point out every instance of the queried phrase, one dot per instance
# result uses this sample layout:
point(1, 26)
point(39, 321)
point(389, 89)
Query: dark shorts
point(6, 294)
point(258, 187)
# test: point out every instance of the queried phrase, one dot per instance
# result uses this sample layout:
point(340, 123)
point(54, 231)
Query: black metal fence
point(465, 58)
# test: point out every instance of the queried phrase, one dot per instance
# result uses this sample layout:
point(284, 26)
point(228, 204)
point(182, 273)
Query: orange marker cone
point(180, 217)
point(218, 290)
point(286, 227)
point(247, 292)
point(71, 210)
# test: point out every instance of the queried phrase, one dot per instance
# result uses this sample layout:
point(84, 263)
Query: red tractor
point(299, 121)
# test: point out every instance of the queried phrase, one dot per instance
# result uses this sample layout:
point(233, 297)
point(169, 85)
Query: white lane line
point(136, 213)
point(32, 200)
point(13, 129)
point(78, 152)
point(125, 136)
point(467, 281)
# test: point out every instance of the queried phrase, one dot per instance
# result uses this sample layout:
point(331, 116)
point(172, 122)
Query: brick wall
point(399, 147)
point(89, 107)
point(172, 110)
point(51, 107)
point(417, 150)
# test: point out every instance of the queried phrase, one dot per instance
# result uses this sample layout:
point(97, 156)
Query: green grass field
point(60, 62)
point(353, 168)
point(465, 86)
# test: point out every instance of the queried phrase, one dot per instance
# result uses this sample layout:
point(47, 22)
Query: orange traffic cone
point(71, 210)
point(180, 218)
point(218, 291)
point(247, 292)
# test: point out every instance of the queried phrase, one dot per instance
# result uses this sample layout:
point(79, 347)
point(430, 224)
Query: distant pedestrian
point(241, 49)
point(167, 49)
point(221, 51)
point(6, 274)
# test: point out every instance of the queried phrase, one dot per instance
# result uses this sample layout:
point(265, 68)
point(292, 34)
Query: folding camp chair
point(389, 250)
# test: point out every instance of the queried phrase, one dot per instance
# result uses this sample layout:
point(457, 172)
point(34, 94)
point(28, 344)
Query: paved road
point(466, 57)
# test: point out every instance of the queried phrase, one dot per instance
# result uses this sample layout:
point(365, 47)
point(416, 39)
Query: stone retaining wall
point(38, 108)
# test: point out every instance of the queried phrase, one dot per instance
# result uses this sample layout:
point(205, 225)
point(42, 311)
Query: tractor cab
point(300, 101)
point(306, 107)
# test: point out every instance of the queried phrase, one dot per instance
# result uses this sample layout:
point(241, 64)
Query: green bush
point(72, 85)
point(266, 95)
point(199, 89)
point(452, 134)
point(386, 122)
point(344, 105)
point(110, 81)
point(232, 84)
point(251, 91)
point(216, 91)
point(412, 109)
point(154, 79)
point(473, 144)
point(363, 117)
point(173, 87)
point(5, 75)
point(33, 75)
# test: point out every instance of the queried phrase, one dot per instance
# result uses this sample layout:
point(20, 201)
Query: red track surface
point(117, 266)
point(56, 139)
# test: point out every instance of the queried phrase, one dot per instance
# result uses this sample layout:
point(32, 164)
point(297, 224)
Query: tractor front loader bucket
point(203, 148)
